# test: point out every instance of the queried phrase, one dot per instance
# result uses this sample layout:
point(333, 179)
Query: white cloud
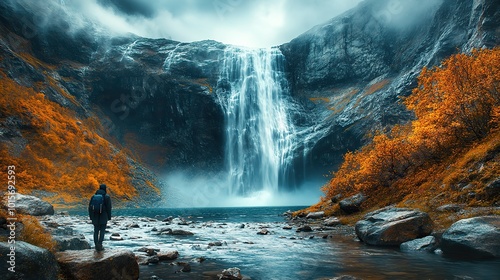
point(256, 23)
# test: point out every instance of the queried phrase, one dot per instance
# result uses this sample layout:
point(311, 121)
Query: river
point(282, 254)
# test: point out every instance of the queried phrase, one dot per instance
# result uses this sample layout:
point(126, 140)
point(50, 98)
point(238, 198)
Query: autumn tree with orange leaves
point(455, 105)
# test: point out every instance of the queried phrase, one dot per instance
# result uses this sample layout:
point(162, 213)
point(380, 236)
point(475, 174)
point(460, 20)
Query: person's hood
point(100, 191)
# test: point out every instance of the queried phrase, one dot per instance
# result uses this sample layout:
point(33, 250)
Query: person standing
point(100, 214)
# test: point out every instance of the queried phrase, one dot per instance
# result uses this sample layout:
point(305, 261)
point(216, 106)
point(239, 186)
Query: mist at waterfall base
point(262, 143)
point(184, 190)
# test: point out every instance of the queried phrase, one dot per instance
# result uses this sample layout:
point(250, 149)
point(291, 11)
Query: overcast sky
point(251, 23)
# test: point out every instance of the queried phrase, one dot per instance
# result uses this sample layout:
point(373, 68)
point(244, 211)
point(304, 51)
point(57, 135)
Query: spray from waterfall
point(254, 95)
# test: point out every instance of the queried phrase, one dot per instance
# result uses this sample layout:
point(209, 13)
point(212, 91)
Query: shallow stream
point(282, 254)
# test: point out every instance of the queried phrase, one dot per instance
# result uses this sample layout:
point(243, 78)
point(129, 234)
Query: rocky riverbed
point(263, 243)
point(247, 244)
point(177, 247)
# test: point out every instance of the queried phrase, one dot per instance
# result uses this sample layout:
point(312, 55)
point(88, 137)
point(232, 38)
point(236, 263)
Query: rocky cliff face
point(154, 96)
point(162, 92)
point(158, 96)
point(350, 72)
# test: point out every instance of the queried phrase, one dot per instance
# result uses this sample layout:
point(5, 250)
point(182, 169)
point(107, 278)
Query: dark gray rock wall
point(162, 91)
point(349, 73)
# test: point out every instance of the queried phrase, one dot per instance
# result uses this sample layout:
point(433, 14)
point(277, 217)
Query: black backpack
point(97, 203)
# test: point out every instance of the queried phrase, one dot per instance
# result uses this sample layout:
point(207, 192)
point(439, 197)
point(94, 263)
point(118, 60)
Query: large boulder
point(27, 262)
point(90, 264)
point(315, 215)
point(231, 274)
point(305, 228)
point(263, 231)
point(32, 205)
point(449, 208)
point(115, 237)
point(71, 242)
point(493, 189)
point(331, 222)
point(473, 238)
point(168, 256)
point(426, 244)
point(352, 204)
point(393, 226)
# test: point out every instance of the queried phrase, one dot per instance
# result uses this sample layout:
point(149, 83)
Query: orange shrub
point(34, 233)
point(456, 105)
point(61, 154)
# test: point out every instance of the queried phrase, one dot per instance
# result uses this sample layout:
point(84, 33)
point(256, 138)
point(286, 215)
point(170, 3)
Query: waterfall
point(253, 92)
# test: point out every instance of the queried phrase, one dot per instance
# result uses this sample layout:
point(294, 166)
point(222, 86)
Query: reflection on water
point(282, 255)
point(367, 262)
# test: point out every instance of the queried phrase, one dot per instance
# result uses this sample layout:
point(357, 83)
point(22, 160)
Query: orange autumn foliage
point(56, 152)
point(457, 110)
point(30, 230)
point(455, 103)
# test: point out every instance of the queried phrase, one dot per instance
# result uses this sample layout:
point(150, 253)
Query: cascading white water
point(253, 93)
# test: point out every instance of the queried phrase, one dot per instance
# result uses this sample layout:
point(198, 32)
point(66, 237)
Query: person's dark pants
point(99, 231)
